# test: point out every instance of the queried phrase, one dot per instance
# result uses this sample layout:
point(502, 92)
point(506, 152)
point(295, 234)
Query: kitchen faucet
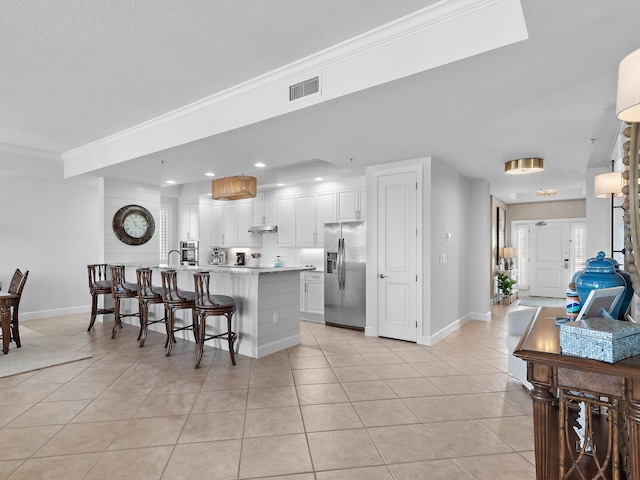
point(169, 255)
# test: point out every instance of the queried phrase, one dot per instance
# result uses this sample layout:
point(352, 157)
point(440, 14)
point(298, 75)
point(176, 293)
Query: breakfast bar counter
point(267, 318)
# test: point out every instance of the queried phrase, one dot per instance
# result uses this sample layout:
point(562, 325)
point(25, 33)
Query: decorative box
point(600, 339)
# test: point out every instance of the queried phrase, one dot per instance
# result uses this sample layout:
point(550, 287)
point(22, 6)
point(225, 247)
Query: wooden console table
point(617, 386)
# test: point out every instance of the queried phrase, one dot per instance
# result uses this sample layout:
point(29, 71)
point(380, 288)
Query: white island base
point(267, 319)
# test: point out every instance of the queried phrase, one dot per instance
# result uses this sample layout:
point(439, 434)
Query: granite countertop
point(235, 269)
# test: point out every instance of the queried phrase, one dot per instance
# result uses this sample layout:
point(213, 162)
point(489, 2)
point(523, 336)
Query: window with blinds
point(578, 246)
point(520, 240)
point(163, 232)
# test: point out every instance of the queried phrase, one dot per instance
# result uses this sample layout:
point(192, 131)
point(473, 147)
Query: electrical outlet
point(443, 258)
point(275, 317)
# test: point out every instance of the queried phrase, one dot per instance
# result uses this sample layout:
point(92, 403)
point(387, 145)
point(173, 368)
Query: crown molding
point(264, 96)
point(29, 151)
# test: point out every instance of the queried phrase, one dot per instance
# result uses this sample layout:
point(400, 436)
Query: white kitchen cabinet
point(286, 221)
point(352, 204)
point(265, 210)
point(312, 294)
point(305, 220)
point(325, 213)
point(217, 224)
point(230, 222)
point(188, 222)
point(312, 212)
point(245, 221)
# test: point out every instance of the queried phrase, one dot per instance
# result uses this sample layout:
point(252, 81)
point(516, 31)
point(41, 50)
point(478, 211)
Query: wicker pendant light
point(234, 188)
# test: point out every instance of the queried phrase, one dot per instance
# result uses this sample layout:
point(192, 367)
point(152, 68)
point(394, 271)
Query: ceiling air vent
point(304, 89)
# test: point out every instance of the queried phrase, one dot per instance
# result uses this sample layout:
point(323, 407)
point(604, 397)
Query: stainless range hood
point(264, 229)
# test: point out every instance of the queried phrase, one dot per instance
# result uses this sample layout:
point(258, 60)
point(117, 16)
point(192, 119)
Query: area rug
point(543, 302)
point(38, 351)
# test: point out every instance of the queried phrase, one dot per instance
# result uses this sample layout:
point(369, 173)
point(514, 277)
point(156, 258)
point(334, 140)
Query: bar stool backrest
point(201, 281)
point(170, 291)
point(144, 277)
point(17, 282)
point(117, 278)
point(97, 273)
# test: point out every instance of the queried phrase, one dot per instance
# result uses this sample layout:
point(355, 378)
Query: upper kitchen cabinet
point(351, 204)
point(312, 212)
point(230, 222)
point(265, 208)
point(188, 222)
point(286, 221)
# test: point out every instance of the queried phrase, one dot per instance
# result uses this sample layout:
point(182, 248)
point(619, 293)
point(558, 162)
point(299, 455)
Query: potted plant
point(505, 285)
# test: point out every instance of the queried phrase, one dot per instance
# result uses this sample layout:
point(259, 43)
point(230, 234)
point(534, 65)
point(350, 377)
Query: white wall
point(598, 218)
point(116, 194)
point(49, 227)
point(462, 209)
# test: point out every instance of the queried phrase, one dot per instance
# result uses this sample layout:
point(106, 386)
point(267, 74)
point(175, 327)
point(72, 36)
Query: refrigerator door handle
point(341, 277)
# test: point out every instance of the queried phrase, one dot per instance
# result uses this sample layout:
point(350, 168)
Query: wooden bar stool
point(147, 295)
point(12, 300)
point(121, 289)
point(98, 285)
point(175, 299)
point(212, 305)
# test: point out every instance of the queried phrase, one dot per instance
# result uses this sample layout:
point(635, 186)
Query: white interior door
point(397, 285)
point(549, 260)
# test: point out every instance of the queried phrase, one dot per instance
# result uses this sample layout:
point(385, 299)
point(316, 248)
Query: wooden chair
point(148, 295)
point(98, 285)
point(212, 305)
point(175, 299)
point(16, 287)
point(121, 289)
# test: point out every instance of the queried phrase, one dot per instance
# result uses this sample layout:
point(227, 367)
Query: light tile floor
point(341, 406)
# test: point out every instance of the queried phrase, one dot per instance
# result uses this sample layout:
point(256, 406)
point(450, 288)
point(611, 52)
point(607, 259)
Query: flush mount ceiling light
point(234, 188)
point(523, 166)
point(546, 192)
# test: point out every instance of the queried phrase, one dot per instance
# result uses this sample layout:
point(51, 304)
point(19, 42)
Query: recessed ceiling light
point(171, 182)
point(319, 179)
point(279, 184)
point(210, 174)
point(259, 165)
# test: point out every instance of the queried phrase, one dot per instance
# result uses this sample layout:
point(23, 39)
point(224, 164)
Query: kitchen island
point(267, 318)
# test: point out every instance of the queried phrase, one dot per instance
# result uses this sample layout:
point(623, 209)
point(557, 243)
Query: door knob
point(382, 275)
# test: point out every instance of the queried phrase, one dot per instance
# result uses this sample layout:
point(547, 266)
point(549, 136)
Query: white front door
point(549, 260)
point(397, 285)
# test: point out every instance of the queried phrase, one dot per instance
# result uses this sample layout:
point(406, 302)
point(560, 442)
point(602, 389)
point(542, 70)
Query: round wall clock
point(133, 225)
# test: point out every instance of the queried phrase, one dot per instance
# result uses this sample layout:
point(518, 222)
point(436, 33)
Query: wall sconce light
point(523, 166)
point(608, 184)
point(628, 110)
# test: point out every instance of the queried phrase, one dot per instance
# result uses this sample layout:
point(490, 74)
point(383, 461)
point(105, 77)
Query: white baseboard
point(59, 312)
point(431, 340)
point(274, 347)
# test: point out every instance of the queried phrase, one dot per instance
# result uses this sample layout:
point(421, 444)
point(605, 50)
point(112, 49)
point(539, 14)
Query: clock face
point(133, 225)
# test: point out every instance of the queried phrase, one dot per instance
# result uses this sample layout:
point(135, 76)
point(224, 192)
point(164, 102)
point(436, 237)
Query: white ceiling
point(77, 71)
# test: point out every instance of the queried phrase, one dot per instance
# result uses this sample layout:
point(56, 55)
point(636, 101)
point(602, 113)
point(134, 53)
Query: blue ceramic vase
point(601, 272)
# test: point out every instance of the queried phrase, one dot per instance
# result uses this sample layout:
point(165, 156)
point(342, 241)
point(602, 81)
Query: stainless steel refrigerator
point(344, 274)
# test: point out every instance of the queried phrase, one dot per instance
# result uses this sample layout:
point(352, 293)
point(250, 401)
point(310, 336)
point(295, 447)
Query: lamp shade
point(523, 166)
point(608, 184)
point(509, 252)
point(234, 188)
point(628, 102)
